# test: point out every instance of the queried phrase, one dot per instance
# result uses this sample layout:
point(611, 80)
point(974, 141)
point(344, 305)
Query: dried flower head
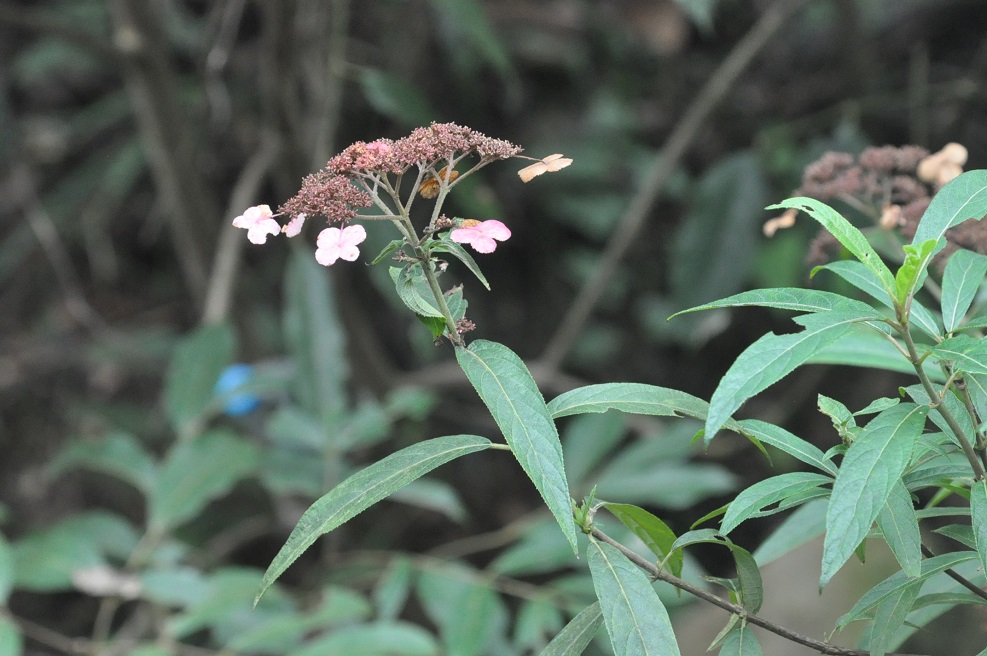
point(327, 194)
point(426, 146)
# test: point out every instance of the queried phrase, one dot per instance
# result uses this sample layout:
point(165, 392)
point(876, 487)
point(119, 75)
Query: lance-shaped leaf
point(911, 269)
point(636, 619)
point(968, 354)
point(741, 641)
point(752, 501)
point(577, 634)
point(978, 518)
point(964, 272)
point(899, 525)
point(788, 442)
point(507, 389)
point(365, 488)
point(889, 617)
point(899, 580)
point(413, 290)
point(962, 198)
point(786, 298)
point(844, 231)
point(871, 467)
point(654, 533)
point(770, 359)
point(457, 251)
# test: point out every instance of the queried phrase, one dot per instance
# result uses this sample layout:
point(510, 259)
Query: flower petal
point(494, 229)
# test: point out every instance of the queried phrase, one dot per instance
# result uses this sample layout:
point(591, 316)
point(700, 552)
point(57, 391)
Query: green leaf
point(791, 444)
point(771, 358)
point(396, 98)
point(6, 571)
point(741, 641)
point(872, 466)
point(196, 472)
point(851, 238)
point(448, 246)
point(362, 490)
point(391, 247)
point(467, 611)
point(634, 615)
point(978, 518)
point(752, 501)
point(654, 533)
point(315, 338)
point(891, 585)
point(512, 397)
point(911, 270)
point(786, 298)
point(195, 366)
point(372, 639)
point(864, 347)
point(586, 441)
point(877, 405)
point(899, 525)
point(969, 354)
point(393, 587)
point(964, 272)
point(750, 588)
point(577, 634)
point(117, 454)
point(537, 620)
point(11, 640)
point(889, 617)
point(413, 290)
point(962, 198)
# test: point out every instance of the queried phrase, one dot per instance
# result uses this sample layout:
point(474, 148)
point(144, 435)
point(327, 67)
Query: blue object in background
point(234, 377)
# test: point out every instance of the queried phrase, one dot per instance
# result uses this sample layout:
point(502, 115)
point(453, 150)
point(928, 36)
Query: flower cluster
point(891, 185)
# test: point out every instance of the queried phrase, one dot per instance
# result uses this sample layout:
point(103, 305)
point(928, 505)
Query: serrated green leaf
point(771, 358)
point(964, 273)
point(755, 498)
point(654, 533)
point(512, 397)
point(786, 441)
point(871, 467)
point(457, 251)
point(969, 354)
point(196, 472)
point(636, 619)
point(316, 340)
point(362, 490)
point(978, 517)
point(749, 577)
point(889, 617)
point(877, 405)
point(413, 290)
point(786, 298)
point(962, 198)
point(633, 398)
point(835, 410)
point(851, 238)
point(889, 586)
point(118, 454)
point(910, 271)
point(741, 641)
point(899, 525)
point(195, 366)
point(577, 634)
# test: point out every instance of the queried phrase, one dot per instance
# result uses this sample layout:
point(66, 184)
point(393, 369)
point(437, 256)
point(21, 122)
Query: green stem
point(913, 356)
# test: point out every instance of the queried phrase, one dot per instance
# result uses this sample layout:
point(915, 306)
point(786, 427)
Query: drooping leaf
point(978, 518)
point(195, 367)
point(316, 340)
point(633, 398)
point(507, 389)
point(457, 251)
point(786, 441)
point(741, 641)
point(748, 585)
point(771, 358)
point(851, 238)
point(786, 298)
point(196, 472)
point(654, 533)
point(636, 619)
point(899, 525)
point(577, 634)
point(365, 488)
point(891, 585)
point(872, 466)
point(964, 272)
point(755, 498)
point(969, 354)
point(889, 617)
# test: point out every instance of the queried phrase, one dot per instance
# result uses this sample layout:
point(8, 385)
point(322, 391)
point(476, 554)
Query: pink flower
point(258, 222)
point(334, 244)
point(481, 235)
point(293, 227)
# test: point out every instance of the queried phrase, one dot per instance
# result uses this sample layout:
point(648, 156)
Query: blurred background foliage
point(139, 507)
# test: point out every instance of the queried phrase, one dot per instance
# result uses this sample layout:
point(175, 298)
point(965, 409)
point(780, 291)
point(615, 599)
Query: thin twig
point(682, 136)
point(740, 611)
